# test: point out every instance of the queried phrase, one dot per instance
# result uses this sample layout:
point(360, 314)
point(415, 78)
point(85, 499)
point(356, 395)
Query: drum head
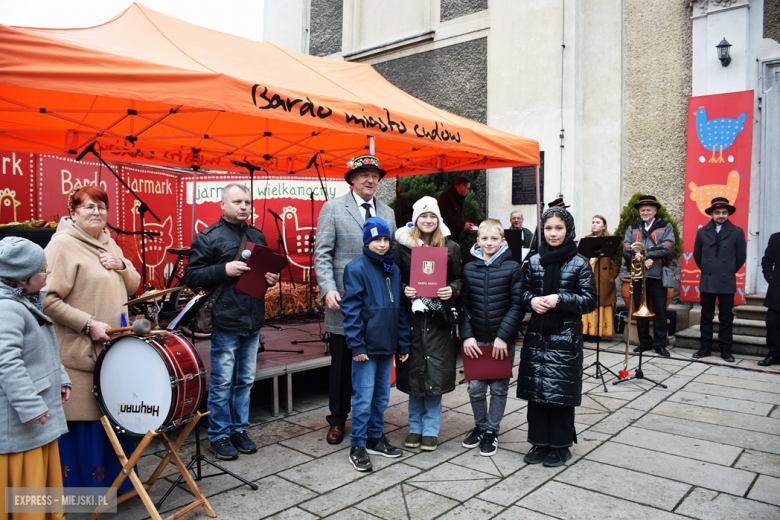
point(134, 386)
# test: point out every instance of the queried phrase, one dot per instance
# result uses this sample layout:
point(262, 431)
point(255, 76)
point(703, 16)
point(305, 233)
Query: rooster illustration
point(155, 249)
point(8, 205)
point(301, 241)
point(717, 135)
point(703, 195)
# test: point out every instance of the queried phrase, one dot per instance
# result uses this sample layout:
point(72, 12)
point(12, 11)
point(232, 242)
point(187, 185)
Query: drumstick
point(140, 326)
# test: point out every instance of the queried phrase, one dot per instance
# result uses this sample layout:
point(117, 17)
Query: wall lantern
point(723, 52)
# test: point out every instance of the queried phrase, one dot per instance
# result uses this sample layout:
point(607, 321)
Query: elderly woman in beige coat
point(86, 293)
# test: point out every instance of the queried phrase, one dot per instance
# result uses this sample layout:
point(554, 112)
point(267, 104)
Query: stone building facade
point(603, 85)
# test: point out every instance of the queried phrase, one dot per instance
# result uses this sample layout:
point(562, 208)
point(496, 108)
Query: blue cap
point(374, 228)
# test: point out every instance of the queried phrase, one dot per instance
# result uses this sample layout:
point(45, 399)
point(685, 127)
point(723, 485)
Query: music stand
point(514, 239)
point(599, 247)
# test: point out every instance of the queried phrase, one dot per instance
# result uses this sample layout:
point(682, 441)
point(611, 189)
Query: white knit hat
point(429, 205)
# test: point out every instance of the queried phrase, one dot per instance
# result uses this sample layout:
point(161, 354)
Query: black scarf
point(386, 261)
point(552, 259)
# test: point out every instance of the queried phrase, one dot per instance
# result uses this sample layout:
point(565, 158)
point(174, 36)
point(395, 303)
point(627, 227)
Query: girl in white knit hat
point(430, 370)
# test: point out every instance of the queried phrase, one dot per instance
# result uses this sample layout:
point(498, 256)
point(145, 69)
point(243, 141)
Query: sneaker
point(413, 440)
point(382, 447)
point(429, 443)
point(243, 443)
point(359, 459)
point(489, 445)
point(557, 458)
point(537, 455)
point(474, 439)
point(223, 450)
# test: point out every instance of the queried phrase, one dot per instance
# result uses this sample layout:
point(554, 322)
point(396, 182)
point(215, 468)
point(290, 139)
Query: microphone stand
point(280, 247)
point(142, 209)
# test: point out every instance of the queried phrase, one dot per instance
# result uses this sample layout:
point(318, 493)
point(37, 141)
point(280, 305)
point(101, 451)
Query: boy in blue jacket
point(376, 327)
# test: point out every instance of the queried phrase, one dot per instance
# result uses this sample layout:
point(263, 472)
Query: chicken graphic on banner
point(718, 134)
point(703, 195)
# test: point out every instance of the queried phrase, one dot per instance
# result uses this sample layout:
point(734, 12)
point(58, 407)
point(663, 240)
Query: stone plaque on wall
point(524, 182)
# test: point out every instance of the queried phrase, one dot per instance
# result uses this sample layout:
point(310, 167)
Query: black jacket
point(214, 247)
point(551, 364)
point(430, 369)
point(491, 299)
point(770, 265)
point(451, 207)
point(719, 256)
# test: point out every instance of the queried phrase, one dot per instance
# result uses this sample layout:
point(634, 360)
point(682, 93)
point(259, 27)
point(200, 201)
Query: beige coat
point(78, 288)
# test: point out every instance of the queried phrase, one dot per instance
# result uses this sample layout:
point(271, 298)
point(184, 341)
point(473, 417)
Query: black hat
point(362, 162)
point(647, 200)
point(557, 203)
point(720, 202)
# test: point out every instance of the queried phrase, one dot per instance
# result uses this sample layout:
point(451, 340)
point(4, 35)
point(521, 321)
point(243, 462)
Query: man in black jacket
point(657, 237)
point(516, 222)
point(719, 251)
point(770, 265)
point(237, 321)
point(451, 206)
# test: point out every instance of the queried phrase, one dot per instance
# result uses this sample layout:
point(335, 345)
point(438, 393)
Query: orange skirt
point(39, 467)
point(590, 326)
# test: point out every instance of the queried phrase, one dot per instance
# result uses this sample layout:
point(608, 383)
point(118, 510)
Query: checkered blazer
point(339, 241)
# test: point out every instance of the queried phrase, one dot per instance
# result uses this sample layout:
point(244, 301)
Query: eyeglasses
point(90, 208)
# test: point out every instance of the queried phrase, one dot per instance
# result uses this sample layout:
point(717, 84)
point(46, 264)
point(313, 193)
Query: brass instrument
point(637, 273)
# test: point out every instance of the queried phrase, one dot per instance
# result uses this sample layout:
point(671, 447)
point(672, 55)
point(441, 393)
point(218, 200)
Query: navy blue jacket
point(375, 322)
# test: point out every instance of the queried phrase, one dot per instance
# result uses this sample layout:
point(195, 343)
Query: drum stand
point(197, 459)
point(141, 488)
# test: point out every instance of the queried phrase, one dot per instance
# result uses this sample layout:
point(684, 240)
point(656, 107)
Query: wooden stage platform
point(273, 365)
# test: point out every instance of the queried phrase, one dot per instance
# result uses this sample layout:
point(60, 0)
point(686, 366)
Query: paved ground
point(707, 447)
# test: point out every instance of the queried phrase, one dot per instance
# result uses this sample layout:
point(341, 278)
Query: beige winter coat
point(78, 288)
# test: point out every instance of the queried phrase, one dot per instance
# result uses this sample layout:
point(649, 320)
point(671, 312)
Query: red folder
point(263, 260)
point(428, 270)
point(485, 367)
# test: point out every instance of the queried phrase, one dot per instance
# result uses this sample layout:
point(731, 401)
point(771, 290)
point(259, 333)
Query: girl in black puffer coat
point(559, 287)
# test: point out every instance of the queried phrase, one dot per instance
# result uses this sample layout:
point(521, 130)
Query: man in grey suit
point(719, 251)
point(339, 241)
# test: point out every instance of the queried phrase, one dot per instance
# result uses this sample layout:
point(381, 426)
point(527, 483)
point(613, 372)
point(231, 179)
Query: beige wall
point(658, 60)
point(524, 97)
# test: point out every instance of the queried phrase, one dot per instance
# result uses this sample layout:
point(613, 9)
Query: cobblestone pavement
point(706, 447)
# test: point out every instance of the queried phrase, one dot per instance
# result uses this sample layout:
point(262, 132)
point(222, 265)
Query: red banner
point(160, 191)
point(57, 176)
point(17, 187)
point(720, 137)
point(288, 197)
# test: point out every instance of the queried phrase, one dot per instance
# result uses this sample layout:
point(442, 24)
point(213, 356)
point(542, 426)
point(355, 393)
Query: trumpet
point(637, 273)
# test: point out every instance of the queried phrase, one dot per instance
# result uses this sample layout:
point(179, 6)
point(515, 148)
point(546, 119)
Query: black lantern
point(723, 52)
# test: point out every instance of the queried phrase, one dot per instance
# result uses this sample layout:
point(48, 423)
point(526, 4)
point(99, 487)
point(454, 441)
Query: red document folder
point(263, 260)
point(485, 367)
point(429, 270)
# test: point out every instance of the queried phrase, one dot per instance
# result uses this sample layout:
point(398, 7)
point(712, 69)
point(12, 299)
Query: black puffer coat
point(492, 298)
point(430, 369)
point(551, 364)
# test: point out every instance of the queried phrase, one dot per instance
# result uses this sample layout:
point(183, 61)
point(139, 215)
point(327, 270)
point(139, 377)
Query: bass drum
point(147, 383)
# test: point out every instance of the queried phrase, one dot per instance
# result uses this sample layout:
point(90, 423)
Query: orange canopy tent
point(151, 89)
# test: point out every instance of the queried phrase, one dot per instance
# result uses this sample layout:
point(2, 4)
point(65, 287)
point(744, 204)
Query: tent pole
point(538, 209)
point(194, 202)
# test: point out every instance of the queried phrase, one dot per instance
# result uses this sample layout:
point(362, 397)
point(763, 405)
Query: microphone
point(248, 166)
point(246, 254)
point(276, 215)
point(85, 151)
point(313, 161)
